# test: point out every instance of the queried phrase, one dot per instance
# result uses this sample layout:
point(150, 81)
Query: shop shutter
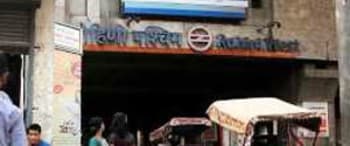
point(15, 25)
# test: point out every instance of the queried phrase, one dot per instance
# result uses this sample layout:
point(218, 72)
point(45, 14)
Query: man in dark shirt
point(120, 136)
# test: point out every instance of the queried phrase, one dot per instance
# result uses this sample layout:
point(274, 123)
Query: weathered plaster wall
point(42, 77)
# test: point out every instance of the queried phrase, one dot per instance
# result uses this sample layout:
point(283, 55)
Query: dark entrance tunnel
point(153, 88)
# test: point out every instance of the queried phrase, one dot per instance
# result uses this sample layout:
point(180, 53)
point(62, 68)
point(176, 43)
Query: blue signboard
point(227, 9)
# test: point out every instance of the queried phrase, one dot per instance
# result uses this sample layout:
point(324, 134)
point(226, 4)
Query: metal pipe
point(28, 88)
point(270, 27)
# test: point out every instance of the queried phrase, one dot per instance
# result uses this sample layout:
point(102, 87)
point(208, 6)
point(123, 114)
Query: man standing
point(34, 136)
point(12, 130)
point(120, 135)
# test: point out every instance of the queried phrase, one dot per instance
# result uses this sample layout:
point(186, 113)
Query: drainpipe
point(272, 19)
point(28, 87)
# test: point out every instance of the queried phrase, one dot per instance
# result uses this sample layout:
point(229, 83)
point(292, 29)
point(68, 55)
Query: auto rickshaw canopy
point(181, 126)
point(237, 114)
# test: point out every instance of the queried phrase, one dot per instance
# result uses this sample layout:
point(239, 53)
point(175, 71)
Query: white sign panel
point(232, 3)
point(223, 9)
point(322, 108)
point(68, 38)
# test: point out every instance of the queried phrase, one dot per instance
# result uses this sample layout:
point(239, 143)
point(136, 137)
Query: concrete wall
point(309, 21)
point(42, 65)
point(343, 25)
point(319, 85)
point(312, 23)
point(60, 11)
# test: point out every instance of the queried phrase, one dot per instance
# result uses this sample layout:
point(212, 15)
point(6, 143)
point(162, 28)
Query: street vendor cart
point(180, 131)
point(262, 122)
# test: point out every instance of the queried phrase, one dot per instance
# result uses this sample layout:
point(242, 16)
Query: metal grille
point(14, 25)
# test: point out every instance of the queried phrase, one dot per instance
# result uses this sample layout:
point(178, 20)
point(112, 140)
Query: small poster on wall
point(322, 108)
point(66, 107)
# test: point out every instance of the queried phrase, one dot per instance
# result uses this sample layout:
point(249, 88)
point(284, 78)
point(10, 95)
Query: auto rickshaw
point(262, 122)
point(180, 131)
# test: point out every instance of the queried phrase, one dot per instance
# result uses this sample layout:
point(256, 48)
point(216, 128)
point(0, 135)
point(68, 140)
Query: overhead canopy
point(180, 125)
point(236, 114)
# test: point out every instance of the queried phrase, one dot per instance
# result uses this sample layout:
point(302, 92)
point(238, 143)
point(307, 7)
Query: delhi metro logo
point(199, 39)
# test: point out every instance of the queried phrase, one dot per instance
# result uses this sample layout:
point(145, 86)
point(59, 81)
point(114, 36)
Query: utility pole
point(343, 31)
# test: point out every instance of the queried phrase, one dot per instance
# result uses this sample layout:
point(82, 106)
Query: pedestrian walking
point(34, 136)
point(12, 129)
point(120, 136)
point(95, 132)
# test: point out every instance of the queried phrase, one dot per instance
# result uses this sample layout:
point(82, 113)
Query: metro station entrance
point(151, 89)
